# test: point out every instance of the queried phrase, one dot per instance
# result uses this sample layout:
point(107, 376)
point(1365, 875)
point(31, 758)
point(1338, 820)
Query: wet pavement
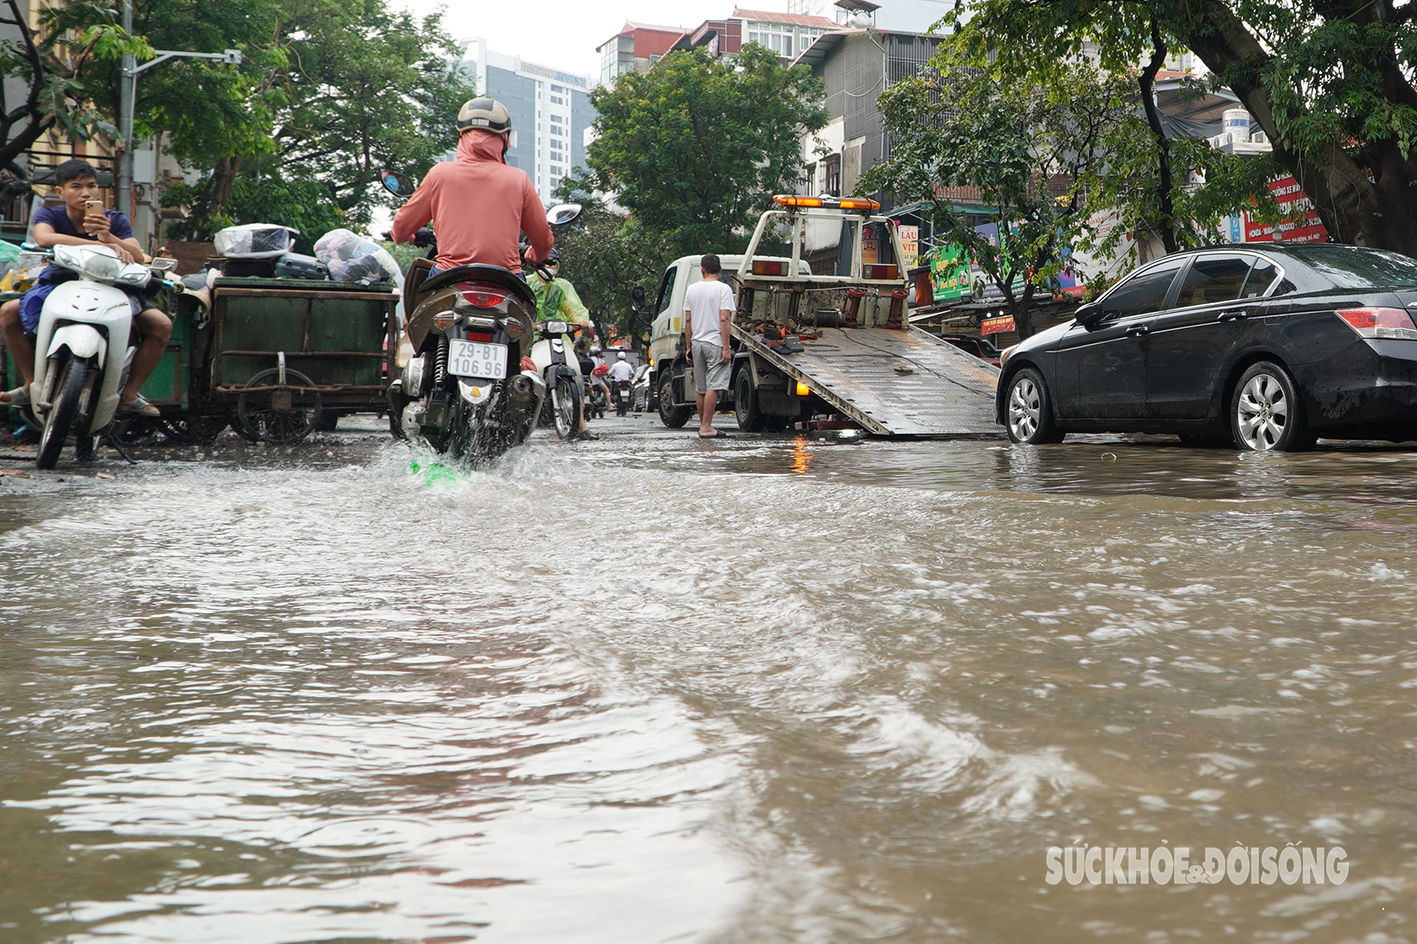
point(770, 689)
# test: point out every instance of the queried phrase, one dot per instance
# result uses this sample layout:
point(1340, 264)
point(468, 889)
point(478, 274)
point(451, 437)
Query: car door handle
point(1137, 331)
point(1233, 315)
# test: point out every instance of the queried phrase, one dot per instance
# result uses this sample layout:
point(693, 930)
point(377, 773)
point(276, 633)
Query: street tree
point(328, 93)
point(1033, 153)
point(607, 255)
point(695, 148)
point(47, 86)
point(1329, 82)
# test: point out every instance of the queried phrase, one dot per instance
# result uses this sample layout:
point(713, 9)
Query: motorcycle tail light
point(444, 320)
point(1380, 322)
point(482, 296)
point(479, 336)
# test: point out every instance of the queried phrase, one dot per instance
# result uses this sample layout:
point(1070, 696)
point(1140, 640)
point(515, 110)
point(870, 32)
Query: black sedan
point(1266, 347)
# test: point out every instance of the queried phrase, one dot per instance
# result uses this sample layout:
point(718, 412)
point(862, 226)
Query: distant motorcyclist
point(477, 203)
point(621, 369)
point(598, 371)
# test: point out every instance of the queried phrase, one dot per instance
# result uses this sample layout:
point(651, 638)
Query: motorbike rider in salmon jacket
point(478, 204)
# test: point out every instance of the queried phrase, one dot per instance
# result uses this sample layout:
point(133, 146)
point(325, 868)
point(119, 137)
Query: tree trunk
point(1164, 183)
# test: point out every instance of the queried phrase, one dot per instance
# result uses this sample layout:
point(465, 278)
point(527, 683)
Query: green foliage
point(1331, 84)
point(606, 255)
point(695, 148)
point(328, 93)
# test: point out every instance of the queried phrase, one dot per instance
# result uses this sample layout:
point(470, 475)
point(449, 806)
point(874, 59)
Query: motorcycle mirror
point(637, 297)
point(563, 213)
point(397, 184)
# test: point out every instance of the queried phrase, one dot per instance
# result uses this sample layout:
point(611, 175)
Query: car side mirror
point(563, 213)
point(637, 298)
point(1089, 314)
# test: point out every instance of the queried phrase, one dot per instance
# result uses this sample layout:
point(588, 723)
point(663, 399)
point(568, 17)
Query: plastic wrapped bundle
point(355, 258)
point(254, 241)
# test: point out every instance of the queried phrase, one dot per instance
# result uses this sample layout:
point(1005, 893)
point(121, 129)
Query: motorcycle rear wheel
point(70, 389)
point(566, 407)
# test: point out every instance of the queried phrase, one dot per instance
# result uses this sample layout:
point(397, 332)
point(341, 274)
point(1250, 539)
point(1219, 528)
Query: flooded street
point(766, 690)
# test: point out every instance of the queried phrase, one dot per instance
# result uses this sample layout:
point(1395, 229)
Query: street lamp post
point(127, 102)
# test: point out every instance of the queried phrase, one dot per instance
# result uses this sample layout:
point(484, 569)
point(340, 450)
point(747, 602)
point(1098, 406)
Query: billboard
point(1301, 223)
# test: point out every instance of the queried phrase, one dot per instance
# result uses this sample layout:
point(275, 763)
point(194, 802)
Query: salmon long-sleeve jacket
point(479, 206)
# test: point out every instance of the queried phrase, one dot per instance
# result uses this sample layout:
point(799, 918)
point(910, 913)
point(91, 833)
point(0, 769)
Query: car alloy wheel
point(1266, 413)
point(1029, 409)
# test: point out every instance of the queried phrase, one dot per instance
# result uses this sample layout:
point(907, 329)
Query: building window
point(832, 166)
point(775, 36)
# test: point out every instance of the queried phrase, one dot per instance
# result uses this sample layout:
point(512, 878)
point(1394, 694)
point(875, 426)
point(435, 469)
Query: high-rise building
point(550, 109)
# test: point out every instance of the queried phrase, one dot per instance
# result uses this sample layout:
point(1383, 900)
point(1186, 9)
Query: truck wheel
point(745, 402)
point(669, 414)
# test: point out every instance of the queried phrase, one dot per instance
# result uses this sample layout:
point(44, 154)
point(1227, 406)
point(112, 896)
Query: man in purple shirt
point(77, 224)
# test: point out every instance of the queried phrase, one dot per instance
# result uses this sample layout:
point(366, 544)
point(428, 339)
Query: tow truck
point(825, 350)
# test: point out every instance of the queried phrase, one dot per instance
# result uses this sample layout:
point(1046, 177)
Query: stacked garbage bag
point(354, 258)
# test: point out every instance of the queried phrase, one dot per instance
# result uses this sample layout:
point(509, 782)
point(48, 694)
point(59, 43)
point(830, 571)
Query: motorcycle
point(465, 384)
point(594, 395)
point(622, 396)
point(84, 345)
point(555, 361)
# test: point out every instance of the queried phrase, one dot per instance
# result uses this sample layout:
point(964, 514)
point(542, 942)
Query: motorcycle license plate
point(477, 359)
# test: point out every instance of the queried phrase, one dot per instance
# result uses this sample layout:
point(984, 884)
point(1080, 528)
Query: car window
point(1261, 277)
point(1346, 267)
point(1141, 293)
point(1213, 279)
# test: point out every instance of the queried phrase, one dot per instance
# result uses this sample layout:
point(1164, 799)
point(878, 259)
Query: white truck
point(824, 348)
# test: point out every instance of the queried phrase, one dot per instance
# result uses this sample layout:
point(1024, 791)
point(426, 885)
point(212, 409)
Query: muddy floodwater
point(759, 691)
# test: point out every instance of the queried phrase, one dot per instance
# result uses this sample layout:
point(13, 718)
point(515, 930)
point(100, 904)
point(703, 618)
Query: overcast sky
point(563, 34)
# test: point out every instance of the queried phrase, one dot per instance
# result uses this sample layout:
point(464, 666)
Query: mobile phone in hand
point(93, 206)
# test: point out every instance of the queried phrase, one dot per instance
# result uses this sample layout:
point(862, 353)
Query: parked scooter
point(465, 385)
point(555, 361)
point(84, 345)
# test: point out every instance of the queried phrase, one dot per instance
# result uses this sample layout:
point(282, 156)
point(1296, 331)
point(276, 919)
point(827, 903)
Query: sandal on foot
point(717, 434)
point(586, 435)
point(139, 406)
point(20, 396)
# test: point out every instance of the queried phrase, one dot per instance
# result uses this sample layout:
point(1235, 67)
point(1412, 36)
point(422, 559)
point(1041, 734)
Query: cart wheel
point(284, 415)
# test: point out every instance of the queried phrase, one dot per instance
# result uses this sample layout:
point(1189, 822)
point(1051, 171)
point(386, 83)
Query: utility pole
point(127, 102)
point(128, 78)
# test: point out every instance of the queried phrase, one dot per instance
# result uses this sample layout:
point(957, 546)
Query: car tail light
point(761, 267)
point(880, 272)
point(1380, 322)
point(482, 296)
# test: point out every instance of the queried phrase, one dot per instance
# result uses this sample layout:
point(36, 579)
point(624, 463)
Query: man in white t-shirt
point(708, 308)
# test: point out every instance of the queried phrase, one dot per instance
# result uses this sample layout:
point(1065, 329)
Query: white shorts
point(709, 373)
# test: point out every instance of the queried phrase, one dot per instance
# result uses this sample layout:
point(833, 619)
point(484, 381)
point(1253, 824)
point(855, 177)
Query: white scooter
point(555, 360)
point(84, 346)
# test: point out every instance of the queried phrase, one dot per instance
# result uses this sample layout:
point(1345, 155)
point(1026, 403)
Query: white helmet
point(485, 113)
point(620, 356)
